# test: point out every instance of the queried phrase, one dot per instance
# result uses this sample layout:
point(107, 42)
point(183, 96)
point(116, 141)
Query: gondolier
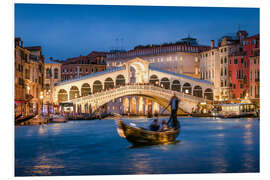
point(174, 107)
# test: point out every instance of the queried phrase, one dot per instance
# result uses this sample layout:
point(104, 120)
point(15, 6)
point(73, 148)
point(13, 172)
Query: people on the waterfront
point(154, 126)
point(174, 107)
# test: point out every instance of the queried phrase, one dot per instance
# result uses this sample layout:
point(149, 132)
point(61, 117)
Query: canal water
point(206, 145)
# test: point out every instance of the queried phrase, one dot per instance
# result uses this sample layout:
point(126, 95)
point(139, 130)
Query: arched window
point(73, 93)
point(186, 88)
point(109, 84)
point(97, 86)
point(176, 86)
point(120, 80)
point(85, 89)
point(165, 83)
point(197, 91)
point(62, 96)
point(154, 80)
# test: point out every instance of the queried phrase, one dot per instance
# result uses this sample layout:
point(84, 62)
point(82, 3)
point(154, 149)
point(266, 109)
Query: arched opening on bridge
point(137, 71)
point(108, 84)
point(197, 91)
point(120, 80)
point(132, 75)
point(165, 83)
point(208, 94)
point(85, 89)
point(154, 80)
point(97, 86)
point(186, 88)
point(126, 105)
point(176, 86)
point(133, 106)
point(62, 96)
point(74, 92)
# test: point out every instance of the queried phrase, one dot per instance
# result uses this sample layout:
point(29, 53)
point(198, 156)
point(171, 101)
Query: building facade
point(181, 57)
point(29, 72)
point(242, 66)
point(52, 77)
point(217, 65)
point(83, 65)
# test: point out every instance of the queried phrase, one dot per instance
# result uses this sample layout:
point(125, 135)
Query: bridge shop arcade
point(133, 87)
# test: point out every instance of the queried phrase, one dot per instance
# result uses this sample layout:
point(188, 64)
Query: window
point(86, 69)
point(221, 72)
point(230, 73)
point(225, 60)
point(242, 60)
point(253, 41)
point(221, 61)
point(48, 73)
point(255, 61)
point(80, 69)
point(241, 86)
point(225, 71)
point(55, 73)
point(221, 84)
point(235, 61)
point(230, 61)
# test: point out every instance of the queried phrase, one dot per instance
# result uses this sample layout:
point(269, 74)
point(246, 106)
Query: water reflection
point(94, 147)
point(45, 166)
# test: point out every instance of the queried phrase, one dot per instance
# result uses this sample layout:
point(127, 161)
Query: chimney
point(212, 44)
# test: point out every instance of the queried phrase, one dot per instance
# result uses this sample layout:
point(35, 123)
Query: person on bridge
point(174, 107)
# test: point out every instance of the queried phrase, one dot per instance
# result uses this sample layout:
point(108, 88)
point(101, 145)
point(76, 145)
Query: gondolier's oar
point(165, 109)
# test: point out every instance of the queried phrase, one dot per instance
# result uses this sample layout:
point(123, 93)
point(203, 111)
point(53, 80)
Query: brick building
point(83, 65)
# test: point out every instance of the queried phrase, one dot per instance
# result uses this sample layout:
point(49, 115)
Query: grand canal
point(206, 145)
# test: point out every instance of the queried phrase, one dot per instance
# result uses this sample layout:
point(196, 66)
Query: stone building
point(181, 57)
point(83, 65)
point(52, 77)
point(29, 65)
point(214, 64)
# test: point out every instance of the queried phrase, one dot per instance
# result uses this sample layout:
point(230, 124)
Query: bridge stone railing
point(101, 98)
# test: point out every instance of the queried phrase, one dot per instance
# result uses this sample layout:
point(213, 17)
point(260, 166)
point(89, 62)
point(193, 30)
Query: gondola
point(140, 136)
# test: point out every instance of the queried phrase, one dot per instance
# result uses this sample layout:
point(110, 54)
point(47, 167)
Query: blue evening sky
point(66, 31)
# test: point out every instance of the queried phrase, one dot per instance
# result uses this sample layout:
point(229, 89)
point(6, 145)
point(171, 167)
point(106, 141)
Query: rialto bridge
point(133, 78)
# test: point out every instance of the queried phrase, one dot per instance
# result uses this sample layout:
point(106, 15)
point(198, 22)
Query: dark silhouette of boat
point(140, 136)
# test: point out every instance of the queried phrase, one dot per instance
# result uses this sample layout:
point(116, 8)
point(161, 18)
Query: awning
point(19, 101)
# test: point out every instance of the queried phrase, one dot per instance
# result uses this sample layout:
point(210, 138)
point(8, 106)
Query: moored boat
point(140, 136)
point(235, 110)
point(58, 119)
